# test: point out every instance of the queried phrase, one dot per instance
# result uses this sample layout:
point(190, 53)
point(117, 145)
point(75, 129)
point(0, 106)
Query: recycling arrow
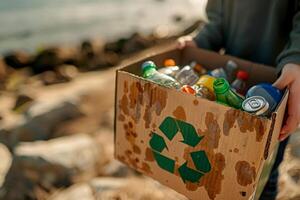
point(189, 174)
point(170, 127)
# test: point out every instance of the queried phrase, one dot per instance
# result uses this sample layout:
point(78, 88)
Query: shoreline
point(60, 63)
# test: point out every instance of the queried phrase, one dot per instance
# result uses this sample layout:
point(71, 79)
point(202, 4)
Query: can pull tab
point(254, 103)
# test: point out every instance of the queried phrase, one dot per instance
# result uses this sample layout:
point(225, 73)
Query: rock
point(5, 164)
point(76, 192)
point(77, 154)
point(40, 120)
point(289, 179)
point(116, 188)
point(50, 58)
point(61, 74)
point(17, 59)
point(135, 43)
point(3, 70)
point(53, 164)
point(92, 57)
point(23, 102)
point(116, 169)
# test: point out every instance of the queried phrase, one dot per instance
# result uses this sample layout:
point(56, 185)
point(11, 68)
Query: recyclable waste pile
point(226, 85)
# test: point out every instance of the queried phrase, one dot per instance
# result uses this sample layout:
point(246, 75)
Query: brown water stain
point(146, 168)
point(236, 150)
point(123, 105)
point(245, 173)
point(196, 102)
point(155, 100)
point(213, 132)
point(125, 87)
point(229, 120)
point(136, 149)
point(149, 155)
point(211, 181)
point(154, 126)
point(245, 122)
point(191, 186)
point(179, 113)
point(121, 158)
point(121, 118)
point(243, 193)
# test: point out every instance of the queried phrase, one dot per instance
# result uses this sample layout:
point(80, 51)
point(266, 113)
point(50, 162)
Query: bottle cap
point(169, 63)
point(148, 64)
point(221, 85)
point(256, 104)
point(243, 75)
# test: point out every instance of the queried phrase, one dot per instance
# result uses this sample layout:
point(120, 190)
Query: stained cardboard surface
point(195, 146)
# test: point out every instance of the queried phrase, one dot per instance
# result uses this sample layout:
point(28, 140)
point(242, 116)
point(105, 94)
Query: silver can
point(256, 105)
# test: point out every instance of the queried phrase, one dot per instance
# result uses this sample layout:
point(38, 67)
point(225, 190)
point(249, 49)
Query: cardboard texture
point(197, 147)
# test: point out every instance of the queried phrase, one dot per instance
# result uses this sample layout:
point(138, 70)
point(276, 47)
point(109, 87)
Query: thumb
point(282, 81)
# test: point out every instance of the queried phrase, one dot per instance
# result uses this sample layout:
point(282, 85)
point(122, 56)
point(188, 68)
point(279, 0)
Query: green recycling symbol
point(170, 127)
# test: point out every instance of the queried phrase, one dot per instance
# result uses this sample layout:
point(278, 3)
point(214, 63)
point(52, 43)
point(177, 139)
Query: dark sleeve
point(291, 53)
point(211, 35)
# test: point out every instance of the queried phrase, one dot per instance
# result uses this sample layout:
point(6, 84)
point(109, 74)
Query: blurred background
point(57, 73)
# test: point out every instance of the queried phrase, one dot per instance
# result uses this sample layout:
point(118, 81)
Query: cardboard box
point(199, 148)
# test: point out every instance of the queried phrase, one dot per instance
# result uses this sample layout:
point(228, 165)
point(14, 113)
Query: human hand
point(290, 77)
point(186, 41)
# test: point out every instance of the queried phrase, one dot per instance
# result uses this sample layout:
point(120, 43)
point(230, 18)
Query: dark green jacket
point(263, 31)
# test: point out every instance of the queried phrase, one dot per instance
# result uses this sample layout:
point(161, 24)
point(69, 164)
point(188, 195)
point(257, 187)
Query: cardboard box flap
point(277, 120)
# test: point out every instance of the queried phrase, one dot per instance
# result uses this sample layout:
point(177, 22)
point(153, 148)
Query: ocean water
point(32, 24)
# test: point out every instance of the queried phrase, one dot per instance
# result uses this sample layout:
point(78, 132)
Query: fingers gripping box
point(200, 148)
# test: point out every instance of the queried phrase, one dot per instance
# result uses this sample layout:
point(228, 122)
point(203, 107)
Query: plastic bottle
point(225, 95)
point(228, 72)
point(204, 92)
point(187, 76)
point(198, 68)
point(239, 84)
point(204, 87)
point(271, 94)
point(218, 73)
point(170, 68)
point(150, 73)
point(231, 69)
point(207, 81)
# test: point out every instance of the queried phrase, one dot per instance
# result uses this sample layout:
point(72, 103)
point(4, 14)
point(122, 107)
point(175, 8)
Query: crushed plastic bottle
point(187, 76)
point(150, 73)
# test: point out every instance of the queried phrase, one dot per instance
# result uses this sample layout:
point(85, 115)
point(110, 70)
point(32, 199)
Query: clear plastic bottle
point(228, 72)
point(239, 84)
point(170, 68)
point(198, 68)
point(204, 87)
point(187, 76)
point(231, 69)
point(150, 73)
